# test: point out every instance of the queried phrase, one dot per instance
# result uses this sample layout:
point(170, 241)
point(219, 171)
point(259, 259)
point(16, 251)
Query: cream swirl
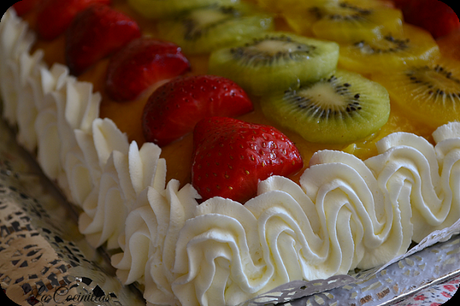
point(106, 206)
point(123, 187)
point(70, 107)
point(35, 82)
point(448, 154)
point(28, 78)
point(85, 162)
point(172, 208)
point(341, 183)
point(408, 173)
point(142, 222)
point(15, 36)
point(15, 41)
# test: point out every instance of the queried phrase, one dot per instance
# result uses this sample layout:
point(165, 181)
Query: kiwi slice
point(275, 61)
point(346, 21)
point(157, 9)
point(206, 29)
point(415, 47)
point(341, 108)
point(429, 94)
point(301, 16)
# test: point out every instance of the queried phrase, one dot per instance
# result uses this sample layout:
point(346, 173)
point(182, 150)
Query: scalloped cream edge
point(345, 214)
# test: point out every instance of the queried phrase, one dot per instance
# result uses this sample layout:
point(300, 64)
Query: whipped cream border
point(346, 213)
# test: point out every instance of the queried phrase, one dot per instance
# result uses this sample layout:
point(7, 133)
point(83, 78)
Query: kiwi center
point(327, 98)
point(323, 93)
point(271, 49)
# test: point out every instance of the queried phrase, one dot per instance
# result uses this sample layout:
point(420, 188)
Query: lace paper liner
point(41, 256)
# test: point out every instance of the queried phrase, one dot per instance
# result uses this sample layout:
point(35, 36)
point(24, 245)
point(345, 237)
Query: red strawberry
point(142, 63)
point(231, 157)
point(434, 16)
point(95, 33)
point(55, 16)
point(25, 6)
point(174, 108)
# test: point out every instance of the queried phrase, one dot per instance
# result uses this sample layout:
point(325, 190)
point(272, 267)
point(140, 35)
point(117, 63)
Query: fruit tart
point(220, 148)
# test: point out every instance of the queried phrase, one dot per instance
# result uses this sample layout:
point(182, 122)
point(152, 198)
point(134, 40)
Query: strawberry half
point(231, 157)
point(55, 16)
point(142, 63)
point(26, 6)
point(432, 15)
point(95, 33)
point(174, 108)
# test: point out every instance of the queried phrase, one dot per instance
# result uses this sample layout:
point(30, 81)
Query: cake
point(356, 204)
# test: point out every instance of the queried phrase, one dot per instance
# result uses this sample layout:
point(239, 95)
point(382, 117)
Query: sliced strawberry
point(141, 64)
point(434, 16)
point(174, 108)
point(26, 6)
point(231, 157)
point(95, 33)
point(55, 16)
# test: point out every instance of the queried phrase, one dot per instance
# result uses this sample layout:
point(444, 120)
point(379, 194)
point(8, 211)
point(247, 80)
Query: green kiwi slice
point(275, 61)
point(341, 108)
point(205, 29)
point(157, 9)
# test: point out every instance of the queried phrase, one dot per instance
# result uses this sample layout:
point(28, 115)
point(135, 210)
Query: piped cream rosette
point(346, 213)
